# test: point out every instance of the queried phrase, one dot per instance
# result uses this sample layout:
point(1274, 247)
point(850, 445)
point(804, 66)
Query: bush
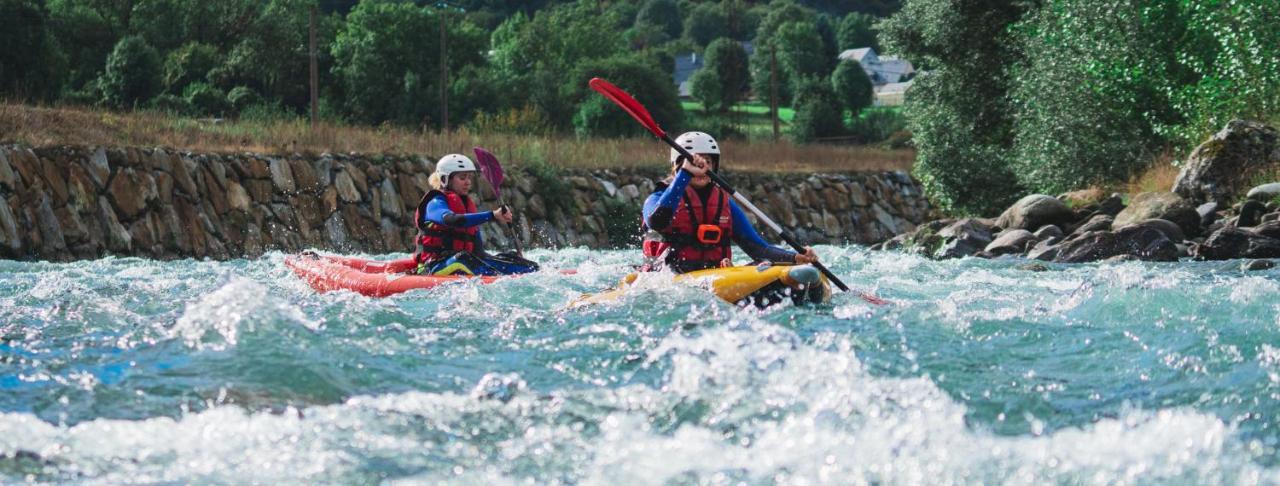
point(170, 104)
point(132, 75)
point(205, 99)
point(267, 112)
point(242, 97)
point(663, 14)
point(705, 24)
point(878, 125)
point(188, 64)
point(816, 119)
point(855, 31)
point(852, 86)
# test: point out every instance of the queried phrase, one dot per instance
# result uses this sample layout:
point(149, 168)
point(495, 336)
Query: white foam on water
point(217, 320)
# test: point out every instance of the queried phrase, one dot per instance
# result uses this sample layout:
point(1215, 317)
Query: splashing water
point(130, 370)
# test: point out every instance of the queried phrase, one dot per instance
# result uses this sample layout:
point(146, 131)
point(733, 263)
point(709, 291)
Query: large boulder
point(963, 238)
point(1139, 241)
point(1216, 170)
point(1011, 241)
point(1034, 211)
point(1228, 243)
point(1160, 205)
point(1265, 192)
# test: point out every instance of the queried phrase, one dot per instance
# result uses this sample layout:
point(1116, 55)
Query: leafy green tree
point(389, 71)
point(856, 31)
point(188, 64)
point(205, 99)
point(852, 86)
point(706, 23)
point(816, 113)
point(645, 36)
point(30, 61)
point(799, 50)
point(242, 97)
point(133, 73)
point(84, 37)
point(959, 114)
point(1083, 122)
point(664, 14)
point(724, 77)
point(598, 116)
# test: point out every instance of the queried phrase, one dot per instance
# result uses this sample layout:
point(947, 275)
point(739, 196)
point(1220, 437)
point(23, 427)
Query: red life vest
point(691, 240)
point(438, 240)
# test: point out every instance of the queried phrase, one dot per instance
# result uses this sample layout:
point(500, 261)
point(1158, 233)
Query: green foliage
point(85, 37)
point(789, 29)
point(598, 116)
point(816, 112)
point(389, 70)
point(526, 120)
point(133, 73)
point(242, 97)
point(1081, 123)
point(205, 99)
point(724, 77)
point(852, 86)
point(644, 36)
point(959, 114)
point(29, 60)
point(706, 23)
point(856, 31)
point(664, 14)
point(170, 104)
point(881, 125)
point(188, 64)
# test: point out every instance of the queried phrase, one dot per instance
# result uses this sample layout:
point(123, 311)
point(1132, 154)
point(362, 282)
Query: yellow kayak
point(762, 285)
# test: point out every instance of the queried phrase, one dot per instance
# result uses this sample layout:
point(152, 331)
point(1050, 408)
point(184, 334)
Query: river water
point(979, 371)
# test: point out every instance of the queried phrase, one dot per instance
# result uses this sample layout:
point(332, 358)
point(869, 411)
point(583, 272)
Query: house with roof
point(890, 76)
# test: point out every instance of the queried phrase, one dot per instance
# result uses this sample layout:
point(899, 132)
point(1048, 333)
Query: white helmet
point(695, 143)
point(454, 163)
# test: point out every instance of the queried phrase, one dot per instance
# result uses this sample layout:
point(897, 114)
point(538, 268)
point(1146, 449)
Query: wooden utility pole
point(444, 75)
point(315, 72)
point(773, 88)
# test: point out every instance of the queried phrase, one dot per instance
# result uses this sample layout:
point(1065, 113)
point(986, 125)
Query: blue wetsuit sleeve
point(438, 212)
point(659, 208)
point(750, 241)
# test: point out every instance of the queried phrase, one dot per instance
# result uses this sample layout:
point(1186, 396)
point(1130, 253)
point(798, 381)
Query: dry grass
point(1159, 176)
point(40, 126)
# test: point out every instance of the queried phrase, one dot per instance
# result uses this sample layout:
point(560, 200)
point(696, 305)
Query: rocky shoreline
point(1211, 214)
point(64, 203)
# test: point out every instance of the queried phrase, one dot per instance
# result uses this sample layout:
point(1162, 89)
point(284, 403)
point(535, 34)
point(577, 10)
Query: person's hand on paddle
point(809, 256)
point(698, 166)
point(503, 215)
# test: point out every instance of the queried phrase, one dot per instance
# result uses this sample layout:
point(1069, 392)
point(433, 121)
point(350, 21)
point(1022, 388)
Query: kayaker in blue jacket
point(449, 239)
point(690, 223)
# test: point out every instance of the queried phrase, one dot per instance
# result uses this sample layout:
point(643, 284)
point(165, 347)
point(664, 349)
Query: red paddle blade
point(628, 103)
point(490, 169)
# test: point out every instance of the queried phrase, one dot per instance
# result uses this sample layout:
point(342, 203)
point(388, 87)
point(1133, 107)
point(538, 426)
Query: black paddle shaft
point(783, 233)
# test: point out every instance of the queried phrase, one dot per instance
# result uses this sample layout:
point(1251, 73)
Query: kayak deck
point(761, 286)
point(372, 278)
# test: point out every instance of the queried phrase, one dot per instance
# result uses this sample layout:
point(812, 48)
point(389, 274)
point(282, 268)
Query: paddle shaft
point(782, 233)
point(515, 235)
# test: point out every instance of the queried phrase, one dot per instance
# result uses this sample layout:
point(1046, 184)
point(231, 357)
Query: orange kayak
point(373, 278)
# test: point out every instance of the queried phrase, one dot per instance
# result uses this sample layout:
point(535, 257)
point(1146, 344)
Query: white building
point(890, 76)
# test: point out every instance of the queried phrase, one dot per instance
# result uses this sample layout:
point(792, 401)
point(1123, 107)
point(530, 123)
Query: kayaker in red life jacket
point(449, 240)
point(690, 223)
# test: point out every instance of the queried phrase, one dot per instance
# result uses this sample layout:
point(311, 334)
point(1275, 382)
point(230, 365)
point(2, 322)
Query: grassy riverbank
point(54, 126)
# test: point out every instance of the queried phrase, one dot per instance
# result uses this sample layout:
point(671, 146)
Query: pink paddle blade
point(490, 169)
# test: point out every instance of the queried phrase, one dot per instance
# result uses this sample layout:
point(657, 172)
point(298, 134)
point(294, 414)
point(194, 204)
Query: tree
point(724, 77)
point(856, 31)
point(133, 73)
point(801, 49)
point(188, 64)
point(959, 114)
point(816, 113)
point(29, 60)
point(598, 116)
point(664, 14)
point(389, 70)
point(852, 86)
point(706, 23)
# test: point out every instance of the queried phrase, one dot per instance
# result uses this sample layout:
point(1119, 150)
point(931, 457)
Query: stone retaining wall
point(74, 202)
